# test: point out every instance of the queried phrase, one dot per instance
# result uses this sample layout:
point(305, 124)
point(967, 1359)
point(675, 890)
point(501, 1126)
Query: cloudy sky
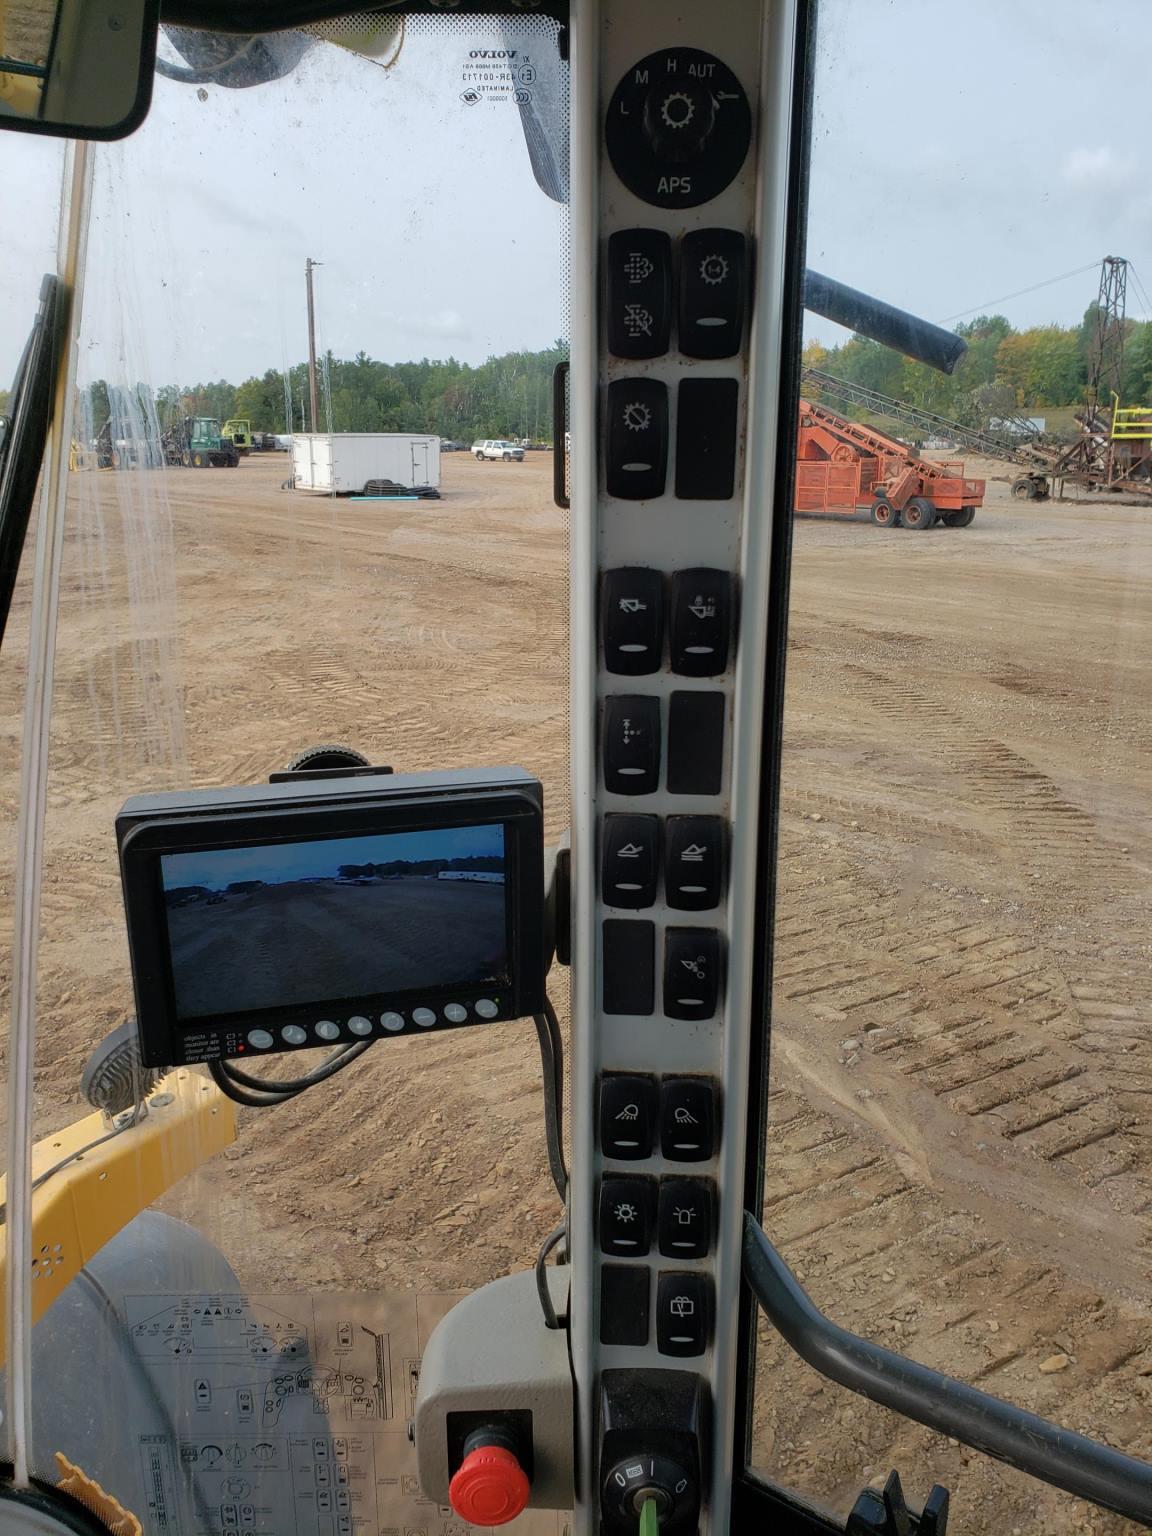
point(960, 156)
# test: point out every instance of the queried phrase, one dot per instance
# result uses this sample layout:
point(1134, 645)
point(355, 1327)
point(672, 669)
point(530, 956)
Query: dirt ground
point(960, 1159)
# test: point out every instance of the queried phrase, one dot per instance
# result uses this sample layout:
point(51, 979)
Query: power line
point(1142, 291)
point(1019, 294)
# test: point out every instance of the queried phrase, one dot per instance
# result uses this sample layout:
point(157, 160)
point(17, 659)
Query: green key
point(649, 1525)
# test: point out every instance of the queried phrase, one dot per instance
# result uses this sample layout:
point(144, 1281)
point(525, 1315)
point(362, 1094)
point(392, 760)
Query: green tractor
point(198, 443)
point(238, 430)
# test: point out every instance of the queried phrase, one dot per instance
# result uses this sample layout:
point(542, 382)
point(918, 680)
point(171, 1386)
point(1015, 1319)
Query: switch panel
point(632, 620)
point(631, 744)
point(629, 858)
point(624, 1304)
point(683, 1312)
point(688, 1119)
point(637, 437)
point(685, 1218)
point(692, 964)
point(695, 862)
point(627, 1116)
point(626, 1210)
point(695, 743)
point(629, 968)
point(706, 432)
point(700, 622)
point(639, 293)
point(712, 287)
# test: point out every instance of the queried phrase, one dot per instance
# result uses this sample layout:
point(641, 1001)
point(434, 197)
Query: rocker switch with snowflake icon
point(637, 463)
point(713, 283)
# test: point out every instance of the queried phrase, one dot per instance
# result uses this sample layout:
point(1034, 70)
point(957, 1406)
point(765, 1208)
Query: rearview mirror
point(80, 69)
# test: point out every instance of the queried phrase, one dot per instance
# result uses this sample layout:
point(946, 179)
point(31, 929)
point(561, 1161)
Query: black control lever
point(1057, 1456)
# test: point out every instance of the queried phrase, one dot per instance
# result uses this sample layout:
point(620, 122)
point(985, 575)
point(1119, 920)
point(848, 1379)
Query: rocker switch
point(712, 290)
point(632, 620)
point(639, 293)
point(631, 744)
point(701, 622)
point(629, 855)
point(637, 464)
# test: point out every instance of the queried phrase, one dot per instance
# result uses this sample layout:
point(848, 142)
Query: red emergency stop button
point(489, 1487)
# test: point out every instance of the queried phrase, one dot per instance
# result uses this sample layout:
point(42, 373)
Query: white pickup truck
point(497, 448)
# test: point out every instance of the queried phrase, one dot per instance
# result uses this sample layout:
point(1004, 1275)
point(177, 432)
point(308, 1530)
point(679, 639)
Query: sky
point(218, 867)
point(960, 155)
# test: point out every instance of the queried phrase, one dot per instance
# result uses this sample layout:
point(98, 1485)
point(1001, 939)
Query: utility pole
point(1106, 355)
point(309, 268)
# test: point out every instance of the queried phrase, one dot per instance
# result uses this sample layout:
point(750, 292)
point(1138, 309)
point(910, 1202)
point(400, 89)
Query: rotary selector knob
point(678, 120)
point(678, 128)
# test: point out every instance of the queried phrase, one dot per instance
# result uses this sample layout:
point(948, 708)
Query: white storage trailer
point(365, 463)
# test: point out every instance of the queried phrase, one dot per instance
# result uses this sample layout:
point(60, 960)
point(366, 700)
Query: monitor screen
point(295, 923)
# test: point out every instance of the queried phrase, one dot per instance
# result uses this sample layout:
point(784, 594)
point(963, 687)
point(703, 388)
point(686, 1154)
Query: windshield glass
point(221, 613)
point(958, 1163)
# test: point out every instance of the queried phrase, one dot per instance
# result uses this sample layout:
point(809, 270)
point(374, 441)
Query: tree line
point(507, 396)
point(1004, 371)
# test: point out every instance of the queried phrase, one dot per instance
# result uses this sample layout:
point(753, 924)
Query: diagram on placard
point(287, 1416)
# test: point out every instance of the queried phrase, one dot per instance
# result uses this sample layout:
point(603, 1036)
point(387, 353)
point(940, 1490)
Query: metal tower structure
point(1106, 356)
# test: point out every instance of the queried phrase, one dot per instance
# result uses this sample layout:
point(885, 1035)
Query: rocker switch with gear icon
point(712, 289)
point(687, 1119)
point(700, 621)
point(629, 856)
point(632, 620)
point(639, 293)
point(637, 460)
point(631, 744)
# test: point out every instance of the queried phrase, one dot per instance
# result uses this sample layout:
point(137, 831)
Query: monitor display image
point(285, 924)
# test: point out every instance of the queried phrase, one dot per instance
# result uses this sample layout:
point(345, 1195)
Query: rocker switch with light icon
point(712, 288)
point(685, 1218)
point(632, 620)
point(627, 1116)
point(687, 1119)
point(637, 458)
point(700, 621)
point(639, 293)
point(625, 1224)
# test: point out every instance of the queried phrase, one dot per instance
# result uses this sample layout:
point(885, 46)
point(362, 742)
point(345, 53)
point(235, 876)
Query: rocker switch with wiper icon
point(637, 461)
point(632, 620)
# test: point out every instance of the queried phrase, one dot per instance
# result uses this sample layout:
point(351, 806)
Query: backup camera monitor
point(305, 914)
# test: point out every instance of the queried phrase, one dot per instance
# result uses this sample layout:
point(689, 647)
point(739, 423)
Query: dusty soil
point(960, 1155)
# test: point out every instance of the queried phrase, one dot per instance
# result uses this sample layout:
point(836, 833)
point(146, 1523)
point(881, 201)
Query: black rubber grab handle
point(881, 322)
point(1058, 1456)
point(559, 429)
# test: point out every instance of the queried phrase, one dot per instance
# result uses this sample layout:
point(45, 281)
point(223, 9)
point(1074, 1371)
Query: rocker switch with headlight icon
point(687, 1119)
point(637, 461)
point(639, 293)
point(627, 1116)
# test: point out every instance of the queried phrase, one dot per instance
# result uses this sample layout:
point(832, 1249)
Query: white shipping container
point(348, 463)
